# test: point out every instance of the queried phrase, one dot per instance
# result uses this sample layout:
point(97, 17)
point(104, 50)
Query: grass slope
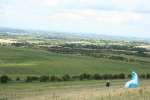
point(25, 61)
point(77, 90)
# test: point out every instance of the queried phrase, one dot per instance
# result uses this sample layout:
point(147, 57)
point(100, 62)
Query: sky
point(111, 17)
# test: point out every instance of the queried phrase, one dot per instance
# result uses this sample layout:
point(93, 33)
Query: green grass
point(24, 61)
point(77, 90)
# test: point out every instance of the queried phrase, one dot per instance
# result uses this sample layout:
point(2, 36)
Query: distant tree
point(105, 76)
point(97, 77)
point(44, 79)
point(122, 76)
point(18, 79)
point(55, 79)
point(4, 79)
point(35, 78)
point(115, 76)
point(143, 76)
point(85, 76)
point(75, 77)
point(148, 76)
point(28, 79)
point(66, 77)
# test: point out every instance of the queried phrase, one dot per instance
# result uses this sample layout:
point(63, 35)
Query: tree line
point(67, 77)
point(91, 50)
point(114, 47)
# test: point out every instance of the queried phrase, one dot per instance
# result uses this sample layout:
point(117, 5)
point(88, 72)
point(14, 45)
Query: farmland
point(74, 50)
point(25, 61)
point(38, 56)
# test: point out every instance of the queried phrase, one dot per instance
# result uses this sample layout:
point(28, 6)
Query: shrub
point(66, 77)
point(115, 76)
point(18, 79)
point(28, 79)
point(143, 76)
point(34, 78)
point(44, 78)
point(106, 76)
point(148, 76)
point(76, 77)
point(97, 77)
point(4, 79)
point(55, 79)
point(122, 76)
point(85, 76)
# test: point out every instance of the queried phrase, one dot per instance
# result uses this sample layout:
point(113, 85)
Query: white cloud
point(109, 17)
point(95, 3)
point(126, 4)
point(118, 17)
point(51, 2)
point(122, 5)
point(1, 11)
point(103, 16)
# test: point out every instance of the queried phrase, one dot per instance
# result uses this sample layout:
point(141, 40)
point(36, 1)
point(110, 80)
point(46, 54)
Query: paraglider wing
point(133, 83)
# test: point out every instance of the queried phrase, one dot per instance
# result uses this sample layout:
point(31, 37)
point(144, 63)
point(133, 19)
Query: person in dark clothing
point(108, 83)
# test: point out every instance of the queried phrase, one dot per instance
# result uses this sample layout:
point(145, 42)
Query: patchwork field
point(24, 61)
point(20, 61)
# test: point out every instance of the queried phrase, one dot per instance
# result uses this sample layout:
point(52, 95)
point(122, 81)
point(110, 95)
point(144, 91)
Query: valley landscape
point(74, 50)
point(46, 67)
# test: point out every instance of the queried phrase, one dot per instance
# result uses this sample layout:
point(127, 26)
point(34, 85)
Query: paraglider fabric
point(133, 83)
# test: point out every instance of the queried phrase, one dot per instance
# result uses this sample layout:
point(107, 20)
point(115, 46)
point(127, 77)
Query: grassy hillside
point(25, 61)
point(77, 90)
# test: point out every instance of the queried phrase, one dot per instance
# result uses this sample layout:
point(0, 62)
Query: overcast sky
point(112, 17)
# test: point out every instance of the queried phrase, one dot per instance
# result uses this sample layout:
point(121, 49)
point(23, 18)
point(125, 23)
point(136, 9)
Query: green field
point(24, 61)
point(34, 60)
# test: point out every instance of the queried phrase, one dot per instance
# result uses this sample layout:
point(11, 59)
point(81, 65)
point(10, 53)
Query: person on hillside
point(108, 83)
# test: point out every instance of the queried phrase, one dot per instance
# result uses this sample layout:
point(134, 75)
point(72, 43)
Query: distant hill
point(67, 35)
point(11, 30)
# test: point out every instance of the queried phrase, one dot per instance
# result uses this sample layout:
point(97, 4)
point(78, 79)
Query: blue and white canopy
point(134, 82)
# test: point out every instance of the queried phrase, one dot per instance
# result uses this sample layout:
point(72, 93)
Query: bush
point(122, 76)
point(97, 77)
point(85, 76)
point(76, 77)
point(115, 76)
point(4, 79)
point(66, 77)
point(55, 79)
point(44, 79)
point(148, 76)
point(32, 78)
point(107, 76)
point(143, 76)
point(35, 78)
point(18, 79)
point(28, 79)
